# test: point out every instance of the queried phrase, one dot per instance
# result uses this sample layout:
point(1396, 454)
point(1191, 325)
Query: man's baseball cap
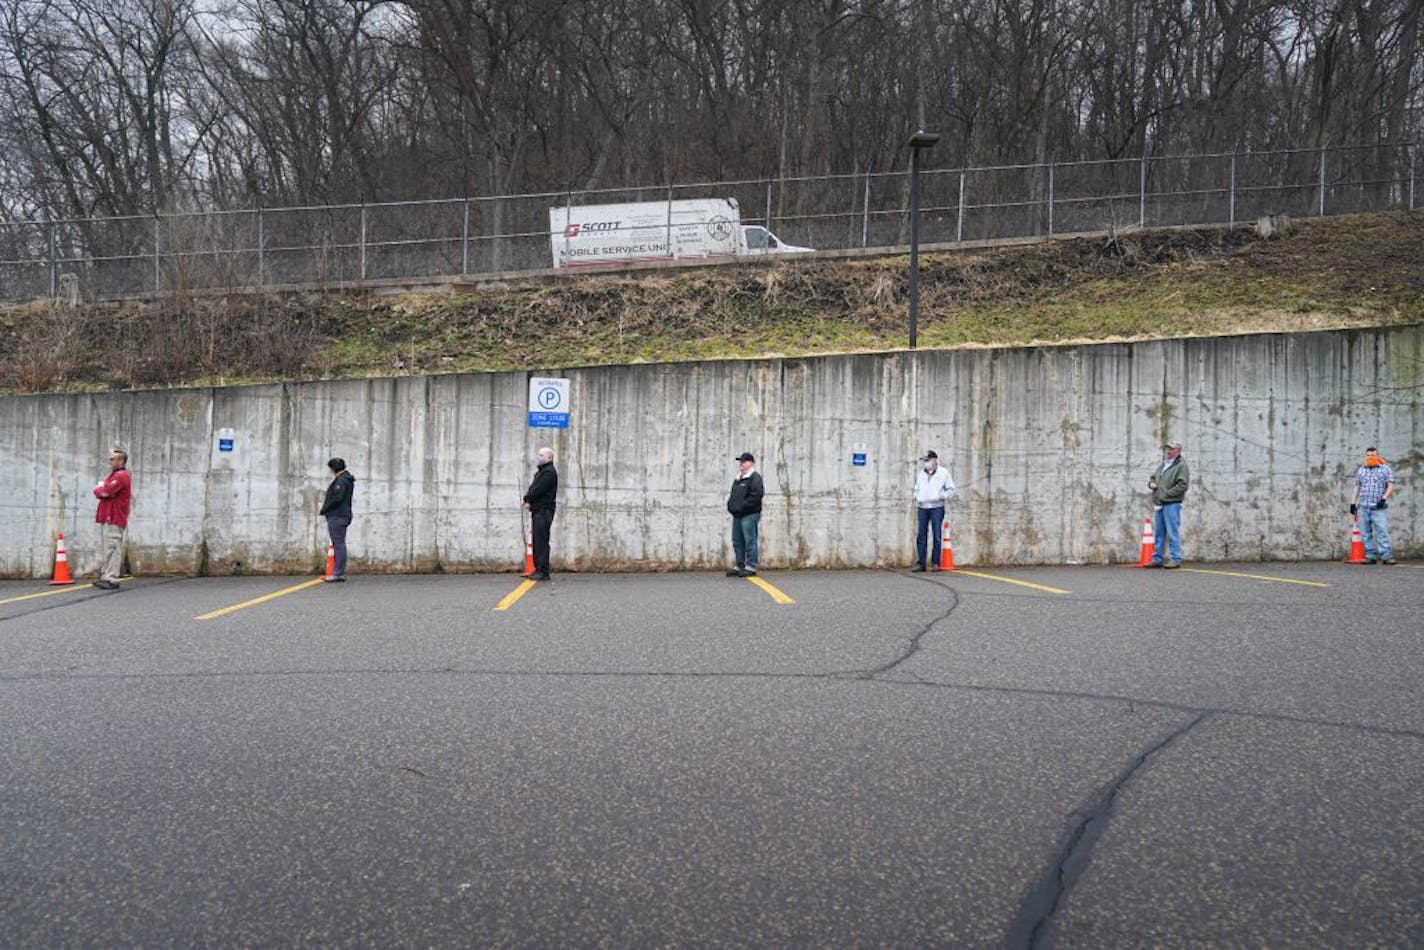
point(931, 454)
point(746, 457)
point(1173, 445)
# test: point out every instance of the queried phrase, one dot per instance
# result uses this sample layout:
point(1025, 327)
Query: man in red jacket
point(113, 495)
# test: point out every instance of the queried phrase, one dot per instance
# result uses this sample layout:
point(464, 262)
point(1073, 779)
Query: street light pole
point(918, 142)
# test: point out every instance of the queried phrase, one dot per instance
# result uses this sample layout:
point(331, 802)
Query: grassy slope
point(1353, 271)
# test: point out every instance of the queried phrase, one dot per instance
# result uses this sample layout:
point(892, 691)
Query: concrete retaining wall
point(1051, 447)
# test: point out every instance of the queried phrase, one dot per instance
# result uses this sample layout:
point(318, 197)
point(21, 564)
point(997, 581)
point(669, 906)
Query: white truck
point(695, 229)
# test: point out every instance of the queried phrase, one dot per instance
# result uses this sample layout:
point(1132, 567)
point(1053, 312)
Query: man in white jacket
point(933, 487)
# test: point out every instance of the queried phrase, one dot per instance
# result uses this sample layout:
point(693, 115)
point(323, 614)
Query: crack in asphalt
point(913, 647)
point(1032, 925)
point(1226, 712)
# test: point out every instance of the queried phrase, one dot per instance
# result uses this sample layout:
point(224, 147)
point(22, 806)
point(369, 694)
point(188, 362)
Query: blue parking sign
point(548, 403)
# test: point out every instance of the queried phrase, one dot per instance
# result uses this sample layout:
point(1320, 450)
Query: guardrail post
point(465, 239)
point(1322, 182)
point(363, 240)
point(1231, 201)
point(1050, 199)
point(53, 260)
point(865, 217)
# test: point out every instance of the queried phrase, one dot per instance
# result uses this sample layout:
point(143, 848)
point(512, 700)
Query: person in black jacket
point(539, 499)
point(337, 510)
point(744, 505)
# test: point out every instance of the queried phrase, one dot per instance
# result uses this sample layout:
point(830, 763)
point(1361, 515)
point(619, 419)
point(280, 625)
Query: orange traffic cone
point(1149, 547)
point(330, 560)
point(1357, 544)
point(61, 563)
point(946, 550)
point(528, 556)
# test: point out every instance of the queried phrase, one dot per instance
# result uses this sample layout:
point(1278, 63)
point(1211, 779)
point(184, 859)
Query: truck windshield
point(756, 238)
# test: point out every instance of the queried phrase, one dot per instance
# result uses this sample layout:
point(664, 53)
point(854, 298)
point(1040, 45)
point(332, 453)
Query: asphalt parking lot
point(1077, 756)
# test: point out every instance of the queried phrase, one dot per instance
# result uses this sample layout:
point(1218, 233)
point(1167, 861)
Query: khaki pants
point(113, 552)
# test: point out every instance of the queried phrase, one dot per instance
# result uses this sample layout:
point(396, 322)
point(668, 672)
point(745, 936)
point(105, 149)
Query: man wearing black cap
point(1168, 485)
point(744, 505)
point(336, 508)
point(933, 487)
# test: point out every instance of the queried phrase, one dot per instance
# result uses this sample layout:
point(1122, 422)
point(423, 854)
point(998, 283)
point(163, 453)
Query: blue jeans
point(1374, 528)
point(744, 539)
point(337, 528)
point(1167, 524)
point(930, 523)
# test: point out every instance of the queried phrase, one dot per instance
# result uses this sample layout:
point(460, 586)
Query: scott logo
point(573, 230)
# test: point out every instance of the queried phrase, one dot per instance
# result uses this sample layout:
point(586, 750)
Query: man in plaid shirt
point(1374, 483)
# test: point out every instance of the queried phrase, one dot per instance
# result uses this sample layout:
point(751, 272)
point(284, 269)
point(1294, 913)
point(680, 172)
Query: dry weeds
point(1353, 271)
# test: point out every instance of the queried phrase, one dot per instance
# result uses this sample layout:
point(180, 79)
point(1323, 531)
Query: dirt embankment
point(1365, 270)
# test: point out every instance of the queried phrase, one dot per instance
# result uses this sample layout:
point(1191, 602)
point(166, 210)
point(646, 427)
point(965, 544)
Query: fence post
point(1413, 156)
point(53, 260)
point(569, 206)
point(767, 218)
point(1050, 199)
point(1322, 182)
point(261, 248)
point(959, 228)
point(1231, 202)
point(865, 217)
point(669, 222)
point(363, 240)
point(1142, 194)
point(157, 255)
point(465, 239)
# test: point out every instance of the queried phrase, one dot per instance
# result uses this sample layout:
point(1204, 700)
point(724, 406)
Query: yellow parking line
point(1255, 577)
point(46, 593)
point(776, 595)
point(1010, 580)
point(514, 595)
point(78, 585)
point(260, 600)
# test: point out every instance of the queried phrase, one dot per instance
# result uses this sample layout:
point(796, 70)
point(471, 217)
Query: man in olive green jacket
point(1169, 486)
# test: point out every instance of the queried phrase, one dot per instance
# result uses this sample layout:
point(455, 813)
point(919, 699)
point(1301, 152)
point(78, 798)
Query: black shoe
point(919, 569)
point(735, 572)
point(749, 572)
point(1389, 560)
point(1154, 564)
point(1368, 560)
point(539, 576)
point(105, 585)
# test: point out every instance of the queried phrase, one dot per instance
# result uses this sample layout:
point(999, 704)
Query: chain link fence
point(342, 244)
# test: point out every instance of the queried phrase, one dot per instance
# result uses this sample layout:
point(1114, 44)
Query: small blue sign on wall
point(548, 403)
point(226, 440)
point(858, 454)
